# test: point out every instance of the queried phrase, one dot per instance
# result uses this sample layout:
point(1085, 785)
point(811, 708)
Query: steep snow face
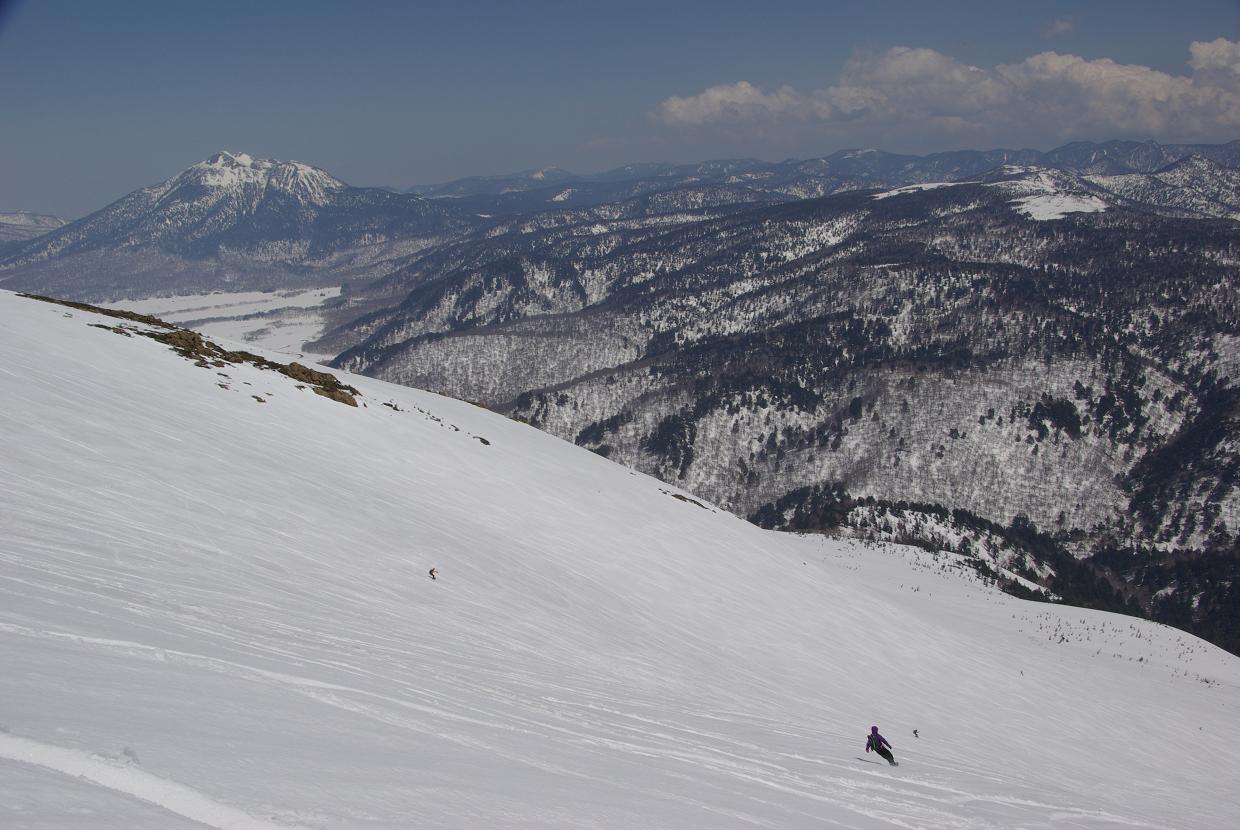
point(215, 611)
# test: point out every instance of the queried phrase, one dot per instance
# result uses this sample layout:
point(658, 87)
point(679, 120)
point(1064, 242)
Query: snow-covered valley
point(279, 321)
point(215, 611)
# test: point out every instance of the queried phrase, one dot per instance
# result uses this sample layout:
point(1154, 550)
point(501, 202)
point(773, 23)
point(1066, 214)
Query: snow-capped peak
point(224, 157)
point(230, 170)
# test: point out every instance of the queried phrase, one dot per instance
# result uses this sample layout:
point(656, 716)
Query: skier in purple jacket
point(876, 742)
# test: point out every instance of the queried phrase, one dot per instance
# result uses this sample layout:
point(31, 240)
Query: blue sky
point(99, 98)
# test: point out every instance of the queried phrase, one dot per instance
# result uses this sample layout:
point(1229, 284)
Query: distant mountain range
point(234, 222)
point(553, 187)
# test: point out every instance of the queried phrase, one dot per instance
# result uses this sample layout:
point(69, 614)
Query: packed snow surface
point(215, 611)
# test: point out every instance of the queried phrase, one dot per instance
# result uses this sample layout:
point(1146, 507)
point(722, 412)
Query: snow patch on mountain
point(912, 188)
point(1058, 205)
point(1043, 194)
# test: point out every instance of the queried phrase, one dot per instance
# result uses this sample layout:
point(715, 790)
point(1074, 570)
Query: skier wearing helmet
point(877, 743)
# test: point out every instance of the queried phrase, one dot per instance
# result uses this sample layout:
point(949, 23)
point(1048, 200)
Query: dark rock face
point(324, 383)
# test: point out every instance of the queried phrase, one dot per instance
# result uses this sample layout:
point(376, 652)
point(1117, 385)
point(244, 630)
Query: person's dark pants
point(886, 753)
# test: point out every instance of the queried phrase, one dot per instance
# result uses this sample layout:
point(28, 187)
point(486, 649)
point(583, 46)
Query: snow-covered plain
point(215, 611)
point(281, 321)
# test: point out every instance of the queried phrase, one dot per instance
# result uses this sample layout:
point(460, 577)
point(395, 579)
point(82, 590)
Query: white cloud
point(732, 102)
point(925, 89)
point(1216, 61)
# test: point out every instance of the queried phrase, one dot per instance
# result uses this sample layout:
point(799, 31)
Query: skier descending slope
point(876, 742)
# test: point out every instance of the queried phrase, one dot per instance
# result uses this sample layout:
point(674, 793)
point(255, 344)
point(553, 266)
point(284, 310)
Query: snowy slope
point(1196, 186)
point(214, 611)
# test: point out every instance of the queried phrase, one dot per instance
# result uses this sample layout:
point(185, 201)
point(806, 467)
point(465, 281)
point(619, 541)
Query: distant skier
point(915, 735)
point(876, 742)
point(433, 572)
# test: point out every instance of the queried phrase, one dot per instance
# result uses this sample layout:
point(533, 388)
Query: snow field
point(215, 611)
point(281, 321)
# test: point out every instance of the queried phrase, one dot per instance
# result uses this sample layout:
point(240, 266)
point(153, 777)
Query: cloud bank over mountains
point(930, 92)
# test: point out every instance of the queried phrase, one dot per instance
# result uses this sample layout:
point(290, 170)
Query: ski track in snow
point(782, 773)
point(120, 776)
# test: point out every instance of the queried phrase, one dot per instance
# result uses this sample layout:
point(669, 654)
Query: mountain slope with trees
point(1026, 347)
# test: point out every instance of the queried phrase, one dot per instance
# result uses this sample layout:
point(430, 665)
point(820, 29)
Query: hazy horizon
point(104, 99)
